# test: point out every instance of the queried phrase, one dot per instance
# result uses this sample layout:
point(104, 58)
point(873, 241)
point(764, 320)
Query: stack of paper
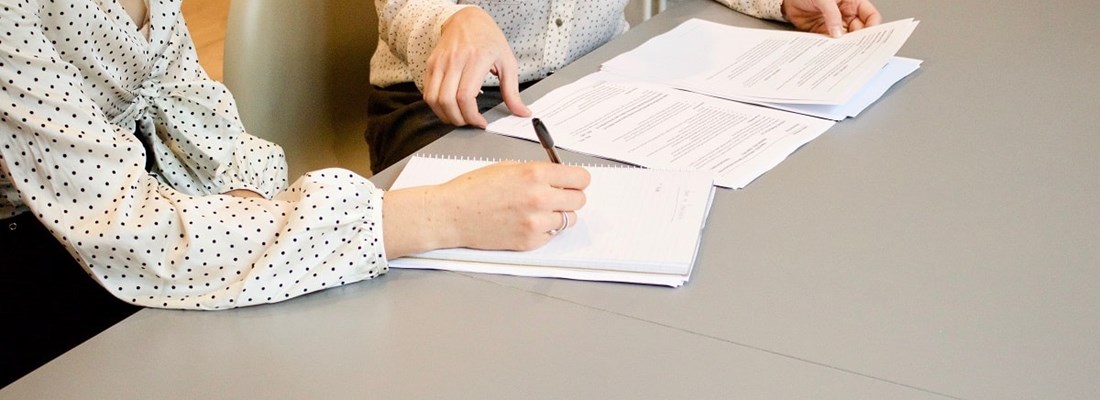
point(781, 69)
point(666, 104)
point(638, 225)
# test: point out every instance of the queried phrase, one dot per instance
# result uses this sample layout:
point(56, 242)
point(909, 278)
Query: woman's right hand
point(470, 47)
point(503, 206)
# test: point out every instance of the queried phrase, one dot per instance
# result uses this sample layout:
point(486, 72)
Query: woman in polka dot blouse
point(121, 160)
point(440, 64)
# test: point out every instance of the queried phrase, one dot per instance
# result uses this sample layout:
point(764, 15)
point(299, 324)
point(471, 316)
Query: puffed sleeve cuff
point(378, 197)
point(767, 9)
point(373, 238)
point(257, 165)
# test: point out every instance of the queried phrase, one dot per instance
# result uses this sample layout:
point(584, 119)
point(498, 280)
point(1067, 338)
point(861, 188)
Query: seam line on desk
point(712, 337)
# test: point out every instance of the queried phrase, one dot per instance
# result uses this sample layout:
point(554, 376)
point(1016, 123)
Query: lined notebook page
point(636, 221)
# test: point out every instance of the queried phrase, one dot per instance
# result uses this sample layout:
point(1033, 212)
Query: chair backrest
point(299, 72)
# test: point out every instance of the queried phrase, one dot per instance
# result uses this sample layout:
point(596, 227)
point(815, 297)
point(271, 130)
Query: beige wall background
point(207, 18)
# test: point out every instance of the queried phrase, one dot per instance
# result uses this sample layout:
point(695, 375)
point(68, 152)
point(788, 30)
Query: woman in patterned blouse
point(123, 164)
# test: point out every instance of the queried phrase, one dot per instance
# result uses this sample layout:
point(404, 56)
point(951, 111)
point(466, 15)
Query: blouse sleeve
point(192, 124)
point(411, 28)
point(767, 9)
point(145, 241)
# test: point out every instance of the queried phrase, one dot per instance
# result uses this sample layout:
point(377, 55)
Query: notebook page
point(541, 272)
point(635, 220)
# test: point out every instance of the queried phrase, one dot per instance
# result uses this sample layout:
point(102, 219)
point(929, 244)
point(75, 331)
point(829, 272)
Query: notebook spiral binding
point(495, 159)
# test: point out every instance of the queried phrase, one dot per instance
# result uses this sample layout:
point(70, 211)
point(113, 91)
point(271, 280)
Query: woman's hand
point(831, 17)
point(470, 47)
point(504, 206)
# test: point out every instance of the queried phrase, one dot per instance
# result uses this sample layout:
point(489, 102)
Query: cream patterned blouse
point(85, 95)
point(545, 35)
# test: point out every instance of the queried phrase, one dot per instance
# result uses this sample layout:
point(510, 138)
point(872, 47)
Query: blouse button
point(559, 22)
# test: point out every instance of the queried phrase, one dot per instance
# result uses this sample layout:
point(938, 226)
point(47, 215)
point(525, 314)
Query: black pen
point(546, 140)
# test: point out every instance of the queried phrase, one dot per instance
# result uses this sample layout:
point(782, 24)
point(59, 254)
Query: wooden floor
point(206, 19)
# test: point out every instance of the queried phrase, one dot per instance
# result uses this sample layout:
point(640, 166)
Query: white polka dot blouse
point(86, 96)
point(545, 35)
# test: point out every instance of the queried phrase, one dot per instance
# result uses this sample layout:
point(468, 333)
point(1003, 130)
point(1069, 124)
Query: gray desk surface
point(942, 245)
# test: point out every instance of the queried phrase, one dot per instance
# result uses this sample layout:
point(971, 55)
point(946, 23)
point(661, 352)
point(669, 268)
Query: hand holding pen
point(546, 140)
point(548, 143)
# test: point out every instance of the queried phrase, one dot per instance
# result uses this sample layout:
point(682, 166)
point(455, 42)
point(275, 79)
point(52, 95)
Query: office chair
point(299, 72)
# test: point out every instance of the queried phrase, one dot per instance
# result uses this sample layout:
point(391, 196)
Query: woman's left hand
point(831, 17)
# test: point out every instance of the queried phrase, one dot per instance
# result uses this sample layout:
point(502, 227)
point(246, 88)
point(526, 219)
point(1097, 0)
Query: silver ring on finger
point(564, 224)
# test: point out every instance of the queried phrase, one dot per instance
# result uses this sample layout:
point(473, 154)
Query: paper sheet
point(761, 65)
point(638, 225)
point(655, 126)
point(894, 71)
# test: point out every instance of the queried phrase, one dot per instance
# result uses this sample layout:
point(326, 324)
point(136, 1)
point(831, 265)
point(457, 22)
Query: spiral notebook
point(638, 226)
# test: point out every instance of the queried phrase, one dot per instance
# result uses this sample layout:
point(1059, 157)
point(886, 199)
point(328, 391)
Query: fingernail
point(836, 31)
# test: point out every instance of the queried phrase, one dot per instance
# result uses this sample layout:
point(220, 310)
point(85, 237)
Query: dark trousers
point(399, 122)
point(48, 304)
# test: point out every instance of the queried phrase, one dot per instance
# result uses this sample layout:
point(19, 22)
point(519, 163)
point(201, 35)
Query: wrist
point(416, 220)
point(441, 217)
point(459, 17)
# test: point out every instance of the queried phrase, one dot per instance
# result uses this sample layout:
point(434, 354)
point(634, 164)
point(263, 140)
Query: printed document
point(655, 126)
point(894, 71)
point(761, 65)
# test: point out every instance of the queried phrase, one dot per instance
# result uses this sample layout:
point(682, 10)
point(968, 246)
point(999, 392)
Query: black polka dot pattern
point(545, 35)
point(79, 82)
